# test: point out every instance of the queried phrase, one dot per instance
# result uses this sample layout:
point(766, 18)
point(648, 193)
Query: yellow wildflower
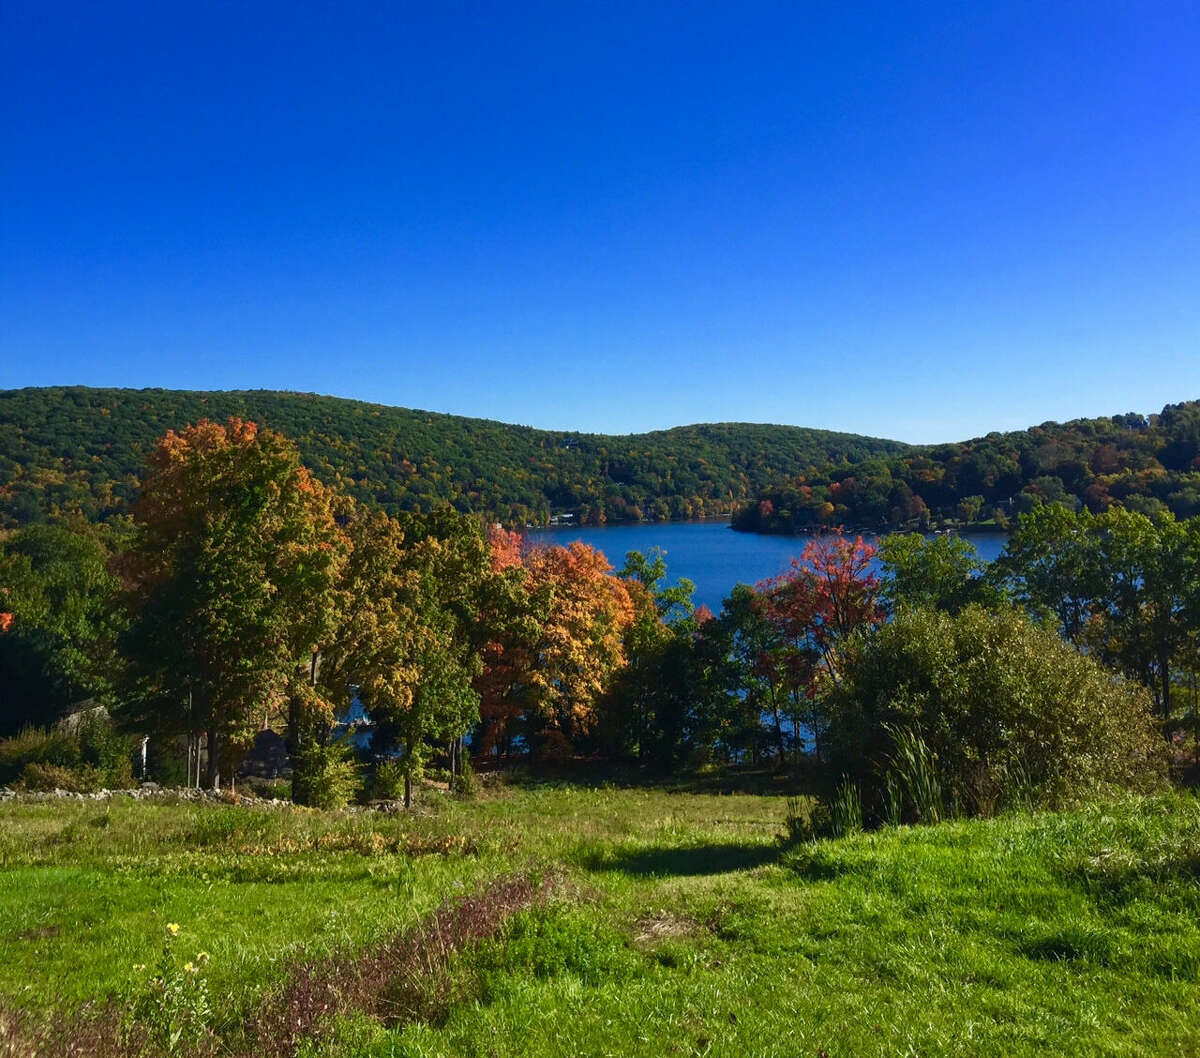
point(173, 929)
point(189, 967)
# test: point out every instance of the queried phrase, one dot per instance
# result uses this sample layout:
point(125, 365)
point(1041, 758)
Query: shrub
point(86, 744)
point(324, 776)
point(167, 760)
point(101, 747)
point(274, 789)
point(388, 781)
point(465, 783)
point(982, 709)
point(34, 746)
point(46, 777)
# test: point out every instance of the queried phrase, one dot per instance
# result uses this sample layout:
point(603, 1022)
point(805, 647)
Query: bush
point(34, 746)
point(324, 776)
point(85, 743)
point(981, 710)
point(102, 748)
point(273, 789)
point(166, 760)
point(388, 782)
point(465, 783)
point(47, 777)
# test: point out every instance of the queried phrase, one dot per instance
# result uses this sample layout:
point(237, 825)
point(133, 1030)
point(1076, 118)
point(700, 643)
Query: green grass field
point(659, 923)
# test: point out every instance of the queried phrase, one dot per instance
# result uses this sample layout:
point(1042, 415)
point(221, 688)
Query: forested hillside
point(67, 450)
point(1145, 463)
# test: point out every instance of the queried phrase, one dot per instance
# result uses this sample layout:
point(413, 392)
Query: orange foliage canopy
point(550, 667)
point(506, 547)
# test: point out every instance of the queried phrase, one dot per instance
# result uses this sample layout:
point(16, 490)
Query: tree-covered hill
point(81, 450)
point(1145, 463)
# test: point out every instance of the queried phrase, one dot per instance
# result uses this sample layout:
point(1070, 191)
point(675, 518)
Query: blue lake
point(710, 554)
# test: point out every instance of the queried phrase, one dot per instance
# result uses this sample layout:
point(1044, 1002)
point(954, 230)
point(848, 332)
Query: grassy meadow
point(605, 921)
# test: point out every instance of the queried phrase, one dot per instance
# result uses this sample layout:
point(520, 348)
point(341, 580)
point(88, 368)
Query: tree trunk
point(641, 737)
point(212, 771)
point(407, 790)
point(778, 731)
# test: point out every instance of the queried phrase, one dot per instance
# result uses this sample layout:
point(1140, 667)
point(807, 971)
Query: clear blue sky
point(918, 220)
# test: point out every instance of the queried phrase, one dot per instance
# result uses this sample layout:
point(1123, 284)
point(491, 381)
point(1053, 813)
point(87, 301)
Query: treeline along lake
point(712, 555)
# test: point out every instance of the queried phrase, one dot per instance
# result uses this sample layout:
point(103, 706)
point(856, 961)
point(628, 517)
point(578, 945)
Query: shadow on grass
point(667, 860)
point(594, 773)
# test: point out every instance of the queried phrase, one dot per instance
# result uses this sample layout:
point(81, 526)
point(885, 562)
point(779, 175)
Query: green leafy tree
point(230, 579)
point(937, 572)
point(1120, 583)
point(1148, 576)
point(64, 618)
point(759, 677)
point(650, 711)
point(1049, 566)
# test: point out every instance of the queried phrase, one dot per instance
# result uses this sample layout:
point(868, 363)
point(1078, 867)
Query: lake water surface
point(710, 554)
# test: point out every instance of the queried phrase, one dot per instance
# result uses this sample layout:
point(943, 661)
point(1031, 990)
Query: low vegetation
point(555, 919)
point(82, 757)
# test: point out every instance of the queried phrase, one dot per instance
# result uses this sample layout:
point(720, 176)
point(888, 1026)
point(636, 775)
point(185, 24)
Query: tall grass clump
point(912, 782)
point(804, 819)
point(845, 811)
point(893, 801)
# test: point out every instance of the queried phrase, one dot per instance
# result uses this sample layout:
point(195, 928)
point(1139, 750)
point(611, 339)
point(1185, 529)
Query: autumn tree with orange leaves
point(581, 644)
point(557, 617)
point(229, 580)
point(511, 617)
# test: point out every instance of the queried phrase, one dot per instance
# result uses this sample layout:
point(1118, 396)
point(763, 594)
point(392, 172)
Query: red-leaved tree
point(815, 608)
